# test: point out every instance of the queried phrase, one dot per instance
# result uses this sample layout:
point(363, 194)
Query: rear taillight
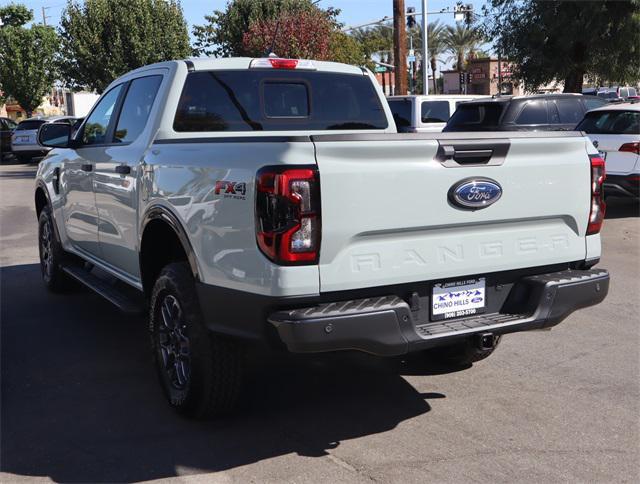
point(288, 214)
point(596, 215)
point(280, 63)
point(631, 148)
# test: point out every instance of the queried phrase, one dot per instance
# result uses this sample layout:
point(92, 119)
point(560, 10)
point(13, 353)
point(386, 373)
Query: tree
point(346, 49)
point(436, 46)
point(26, 57)
point(15, 15)
point(548, 40)
point(103, 39)
point(304, 34)
point(461, 40)
point(223, 34)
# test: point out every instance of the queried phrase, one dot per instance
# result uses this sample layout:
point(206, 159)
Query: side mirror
point(55, 135)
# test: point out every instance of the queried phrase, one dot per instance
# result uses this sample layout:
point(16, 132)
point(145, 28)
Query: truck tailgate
point(387, 218)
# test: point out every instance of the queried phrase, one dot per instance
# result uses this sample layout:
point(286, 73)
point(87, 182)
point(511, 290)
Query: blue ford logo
point(475, 193)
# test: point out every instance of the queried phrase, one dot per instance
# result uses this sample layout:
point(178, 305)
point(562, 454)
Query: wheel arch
point(159, 222)
point(41, 197)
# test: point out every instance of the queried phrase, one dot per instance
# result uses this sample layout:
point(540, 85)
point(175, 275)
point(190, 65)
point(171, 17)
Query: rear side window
point(569, 111)
point(136, 108)
point(476, 116)
point(633, 92)
point(534, 112)
point(611, 122)
point(258, 100)
point(401, 110)
point(435, 111)
point(28, 125)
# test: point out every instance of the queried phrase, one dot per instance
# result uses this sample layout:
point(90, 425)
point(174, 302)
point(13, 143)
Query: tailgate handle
point(472, 156)
point(472, 152)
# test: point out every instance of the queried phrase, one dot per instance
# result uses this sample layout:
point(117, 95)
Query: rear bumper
point(388, 326)
point(622, 185)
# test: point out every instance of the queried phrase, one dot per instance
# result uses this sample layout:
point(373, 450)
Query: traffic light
point(462, 78)
point(411, 17)
point(468, 15)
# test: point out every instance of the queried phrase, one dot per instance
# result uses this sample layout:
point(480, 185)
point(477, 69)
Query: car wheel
point(200, 372)
point(461, 354)
point(52, 254)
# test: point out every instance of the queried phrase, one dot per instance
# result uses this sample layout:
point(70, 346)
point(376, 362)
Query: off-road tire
point(461, 354)
point(211, 385)
point(52, 255)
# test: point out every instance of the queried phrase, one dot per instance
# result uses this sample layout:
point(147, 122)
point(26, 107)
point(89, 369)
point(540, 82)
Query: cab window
point(95, 129)
point(136, 108)
point(435, 111)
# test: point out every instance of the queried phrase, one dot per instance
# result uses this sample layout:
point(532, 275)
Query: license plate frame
point(458, 299)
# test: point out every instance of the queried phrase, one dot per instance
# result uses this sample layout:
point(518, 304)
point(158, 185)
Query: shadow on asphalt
point(80, 401)
point(622, 207)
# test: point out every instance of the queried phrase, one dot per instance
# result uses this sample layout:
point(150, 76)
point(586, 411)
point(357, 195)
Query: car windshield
point(272, 100)
point(611, 122)
point(475, 116)
point(29, 125)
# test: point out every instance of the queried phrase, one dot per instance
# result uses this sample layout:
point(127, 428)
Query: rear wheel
point(200, 372)
point(52, 254)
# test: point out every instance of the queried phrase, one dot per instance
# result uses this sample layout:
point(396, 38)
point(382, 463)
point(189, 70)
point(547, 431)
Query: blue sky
point(354, 12)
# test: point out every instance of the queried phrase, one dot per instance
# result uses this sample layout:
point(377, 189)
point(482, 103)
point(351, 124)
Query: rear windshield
point(271, 100)
point(401, 110)
point(475, 116)
point(611, 122)
point(25, 125)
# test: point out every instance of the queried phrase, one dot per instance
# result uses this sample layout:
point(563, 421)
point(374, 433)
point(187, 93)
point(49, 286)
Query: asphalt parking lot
point(80, 402)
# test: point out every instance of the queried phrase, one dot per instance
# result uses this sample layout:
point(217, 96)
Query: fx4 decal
point(229, 189)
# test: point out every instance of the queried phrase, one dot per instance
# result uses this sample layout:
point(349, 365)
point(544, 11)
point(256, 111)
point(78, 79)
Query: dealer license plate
point(458, 299)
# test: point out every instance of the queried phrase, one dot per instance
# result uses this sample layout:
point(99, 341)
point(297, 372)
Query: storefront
point(483, 77)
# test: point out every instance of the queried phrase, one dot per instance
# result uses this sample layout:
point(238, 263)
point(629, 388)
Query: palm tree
point(461, 40)
point(436, 44)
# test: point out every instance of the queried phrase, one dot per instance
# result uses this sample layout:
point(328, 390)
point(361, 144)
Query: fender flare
point(160, 212)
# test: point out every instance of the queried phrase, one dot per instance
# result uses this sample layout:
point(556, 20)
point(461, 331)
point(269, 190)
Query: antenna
point(275, 36)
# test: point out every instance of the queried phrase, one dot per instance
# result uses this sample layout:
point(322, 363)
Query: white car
point(425, 114)
point(614, 130)
point(24, 141)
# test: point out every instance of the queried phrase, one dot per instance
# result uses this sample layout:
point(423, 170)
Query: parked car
point(538, 112)
point(238, 202)
point(615, 131)
point(6, 130)
point(419, 114)
point(24, 142)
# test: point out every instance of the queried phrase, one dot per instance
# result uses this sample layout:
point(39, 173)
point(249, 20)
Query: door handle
point(123, 169)
point(87, 167)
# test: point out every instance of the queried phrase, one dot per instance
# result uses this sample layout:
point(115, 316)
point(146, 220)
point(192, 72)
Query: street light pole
point(425, 50)
point(400, 47)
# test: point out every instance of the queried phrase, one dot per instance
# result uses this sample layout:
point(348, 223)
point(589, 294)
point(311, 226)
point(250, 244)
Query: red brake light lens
point(631, 148)
point(288, 214)
point(598, 207)
point(284, 63)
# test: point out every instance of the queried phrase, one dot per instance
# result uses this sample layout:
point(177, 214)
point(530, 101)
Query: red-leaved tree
point(300, 35)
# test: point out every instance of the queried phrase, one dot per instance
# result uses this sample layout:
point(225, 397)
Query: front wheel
point(51, 254)
point(200, 372)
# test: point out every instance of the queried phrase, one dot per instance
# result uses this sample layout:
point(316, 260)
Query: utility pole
point(400, 47)
point(44, 15)
point(425, 51)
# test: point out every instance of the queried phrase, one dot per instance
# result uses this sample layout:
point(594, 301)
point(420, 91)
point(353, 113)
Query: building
point(483, 77)
point(58, 102)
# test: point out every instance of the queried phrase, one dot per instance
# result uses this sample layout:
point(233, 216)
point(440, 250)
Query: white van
point(424, 114)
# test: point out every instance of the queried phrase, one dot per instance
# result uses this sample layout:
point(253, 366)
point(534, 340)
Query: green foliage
point(27, 63)
point(461, 41)
point(548, 40)
point(103, 39)
point(436, 46)
point(223, 33)
point(15, 15)
point(346, 49)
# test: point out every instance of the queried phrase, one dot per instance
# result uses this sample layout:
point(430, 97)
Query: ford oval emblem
point(475, 193)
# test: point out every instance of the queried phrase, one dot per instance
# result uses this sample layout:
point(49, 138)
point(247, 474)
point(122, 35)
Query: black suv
point(538, 112)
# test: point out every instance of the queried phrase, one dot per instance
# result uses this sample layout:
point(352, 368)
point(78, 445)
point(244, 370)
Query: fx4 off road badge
point(229, 189)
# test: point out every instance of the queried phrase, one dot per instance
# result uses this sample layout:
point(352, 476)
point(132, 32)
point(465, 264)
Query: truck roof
point(229, 63)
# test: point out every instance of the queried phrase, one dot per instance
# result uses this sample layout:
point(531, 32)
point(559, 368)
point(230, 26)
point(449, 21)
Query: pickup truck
point(272, 201)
